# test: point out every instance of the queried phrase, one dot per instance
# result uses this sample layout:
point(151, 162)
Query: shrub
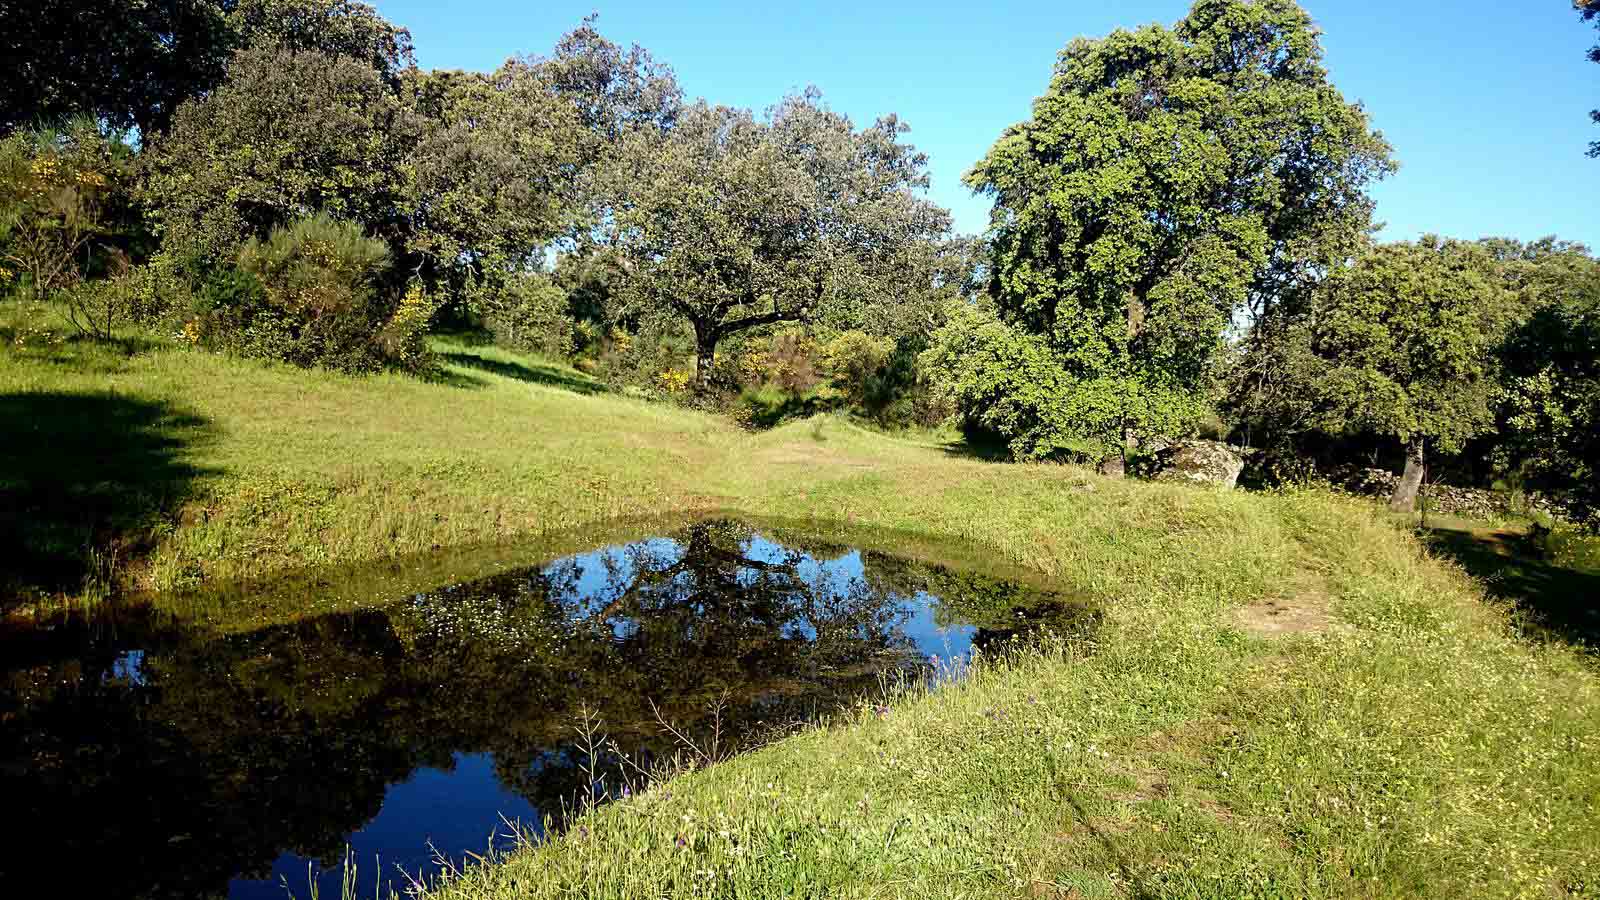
point(526, 311)
point(316, 293)
point(65, 211)
point(856, 361)
point(786, 359)
point(96, 308)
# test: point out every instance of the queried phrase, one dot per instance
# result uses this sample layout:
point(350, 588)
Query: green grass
point(1289, 695)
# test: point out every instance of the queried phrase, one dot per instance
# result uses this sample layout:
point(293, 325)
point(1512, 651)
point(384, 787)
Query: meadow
point(1290, 694)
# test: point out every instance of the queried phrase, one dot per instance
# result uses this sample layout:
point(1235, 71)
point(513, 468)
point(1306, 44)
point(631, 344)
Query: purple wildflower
point(681, 842)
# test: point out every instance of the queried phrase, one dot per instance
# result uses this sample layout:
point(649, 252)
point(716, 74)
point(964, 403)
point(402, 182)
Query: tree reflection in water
point(141, 757)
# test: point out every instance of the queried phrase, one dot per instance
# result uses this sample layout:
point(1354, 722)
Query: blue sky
point(1485, 101)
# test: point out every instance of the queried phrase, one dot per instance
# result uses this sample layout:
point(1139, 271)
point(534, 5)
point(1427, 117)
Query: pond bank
point(1410, 745)
point(1406, 743)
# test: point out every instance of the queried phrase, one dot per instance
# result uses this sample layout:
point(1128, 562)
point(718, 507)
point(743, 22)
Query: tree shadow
point(1561, 602)
point(532, 373)
point(85, 479)
point(981, 446)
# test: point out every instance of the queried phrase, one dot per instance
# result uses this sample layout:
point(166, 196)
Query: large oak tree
point(731, 222)
point(1168, 179)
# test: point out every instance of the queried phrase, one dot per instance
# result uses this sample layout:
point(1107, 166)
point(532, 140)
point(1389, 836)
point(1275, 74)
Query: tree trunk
point(1405, 493)
point(705, 356)
point(1130, 434)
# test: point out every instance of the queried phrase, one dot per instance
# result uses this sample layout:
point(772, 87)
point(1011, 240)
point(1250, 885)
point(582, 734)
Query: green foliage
point(1407, 339)
point(111, 59)
point(1167, 179)
point(99, 307)
point(1550, 399)
point(131, 63)
point(854, 359)
point(527, 311)
point(314, 293)
point(732, 223)
point(494, 169)
point(65, 207)
point(287, 133)
point(1012, 384)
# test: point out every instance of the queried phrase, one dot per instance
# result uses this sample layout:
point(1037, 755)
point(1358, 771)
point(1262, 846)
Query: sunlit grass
point(1405, 742)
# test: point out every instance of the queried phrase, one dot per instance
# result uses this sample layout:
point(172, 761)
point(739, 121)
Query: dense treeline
point(1182, 240)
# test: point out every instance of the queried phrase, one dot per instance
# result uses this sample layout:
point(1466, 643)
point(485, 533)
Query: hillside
point(1288, 696)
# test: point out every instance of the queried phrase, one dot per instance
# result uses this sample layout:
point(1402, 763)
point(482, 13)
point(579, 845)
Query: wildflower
point(681, 842)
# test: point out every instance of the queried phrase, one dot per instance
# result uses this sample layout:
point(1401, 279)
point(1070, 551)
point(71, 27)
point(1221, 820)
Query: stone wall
point(1468, 503)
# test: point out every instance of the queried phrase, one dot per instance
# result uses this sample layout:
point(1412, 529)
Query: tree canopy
point(1167, 179)
point(132, 62)
point(1406, 338)
point(731, 222)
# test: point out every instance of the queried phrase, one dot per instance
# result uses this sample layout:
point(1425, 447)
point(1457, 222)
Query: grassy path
point(1288, 696)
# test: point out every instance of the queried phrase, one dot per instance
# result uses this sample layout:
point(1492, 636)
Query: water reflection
point(144, 757)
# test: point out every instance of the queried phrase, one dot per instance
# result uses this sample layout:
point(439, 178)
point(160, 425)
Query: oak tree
point(1407, 339)
point(1168, 179)
point(731, 222)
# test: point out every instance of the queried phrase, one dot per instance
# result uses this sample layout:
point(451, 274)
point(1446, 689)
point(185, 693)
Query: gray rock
point(1199, 462)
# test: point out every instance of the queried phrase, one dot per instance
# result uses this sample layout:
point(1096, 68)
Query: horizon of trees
point(1182, 239)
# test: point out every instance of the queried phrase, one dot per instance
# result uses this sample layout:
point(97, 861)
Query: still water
point(145, 755)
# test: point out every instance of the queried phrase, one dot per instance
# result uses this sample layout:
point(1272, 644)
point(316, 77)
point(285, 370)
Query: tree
point(1549, 402)
point(290, 133)
point(65, 204)
point(493, 175)
point(1168, 179)
point(731, 223)
point(1407, 338)
point(132, 62)
point(127, 61)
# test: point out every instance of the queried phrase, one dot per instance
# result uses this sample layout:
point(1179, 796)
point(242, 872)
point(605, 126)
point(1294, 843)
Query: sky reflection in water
point(177, 761)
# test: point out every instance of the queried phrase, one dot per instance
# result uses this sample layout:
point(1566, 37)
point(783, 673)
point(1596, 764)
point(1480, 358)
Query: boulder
point(1199, 462)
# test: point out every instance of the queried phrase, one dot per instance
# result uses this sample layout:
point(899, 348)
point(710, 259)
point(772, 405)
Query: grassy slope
point(1406, 743)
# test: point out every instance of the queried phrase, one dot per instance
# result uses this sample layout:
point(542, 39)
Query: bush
point(526, 311)
point(786, 359)
point(65, 208)
point(96, 308)
point(856, 361)
point(314, 293)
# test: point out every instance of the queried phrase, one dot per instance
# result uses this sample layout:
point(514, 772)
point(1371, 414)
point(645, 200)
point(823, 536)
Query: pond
point(145, 753)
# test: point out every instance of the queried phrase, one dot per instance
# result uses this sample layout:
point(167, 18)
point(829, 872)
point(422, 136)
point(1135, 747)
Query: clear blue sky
point(1485, 101)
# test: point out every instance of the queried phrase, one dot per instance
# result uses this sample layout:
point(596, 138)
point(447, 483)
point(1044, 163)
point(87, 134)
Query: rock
point(1199, 462)
point(1113, 466)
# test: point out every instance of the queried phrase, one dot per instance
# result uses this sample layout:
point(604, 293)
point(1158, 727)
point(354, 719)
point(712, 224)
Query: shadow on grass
point(1562, 602)
point(983, 447)
point(532, 373)
point(84, 481)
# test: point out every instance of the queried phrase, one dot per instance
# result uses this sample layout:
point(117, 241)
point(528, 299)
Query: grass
point(1289, 695)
